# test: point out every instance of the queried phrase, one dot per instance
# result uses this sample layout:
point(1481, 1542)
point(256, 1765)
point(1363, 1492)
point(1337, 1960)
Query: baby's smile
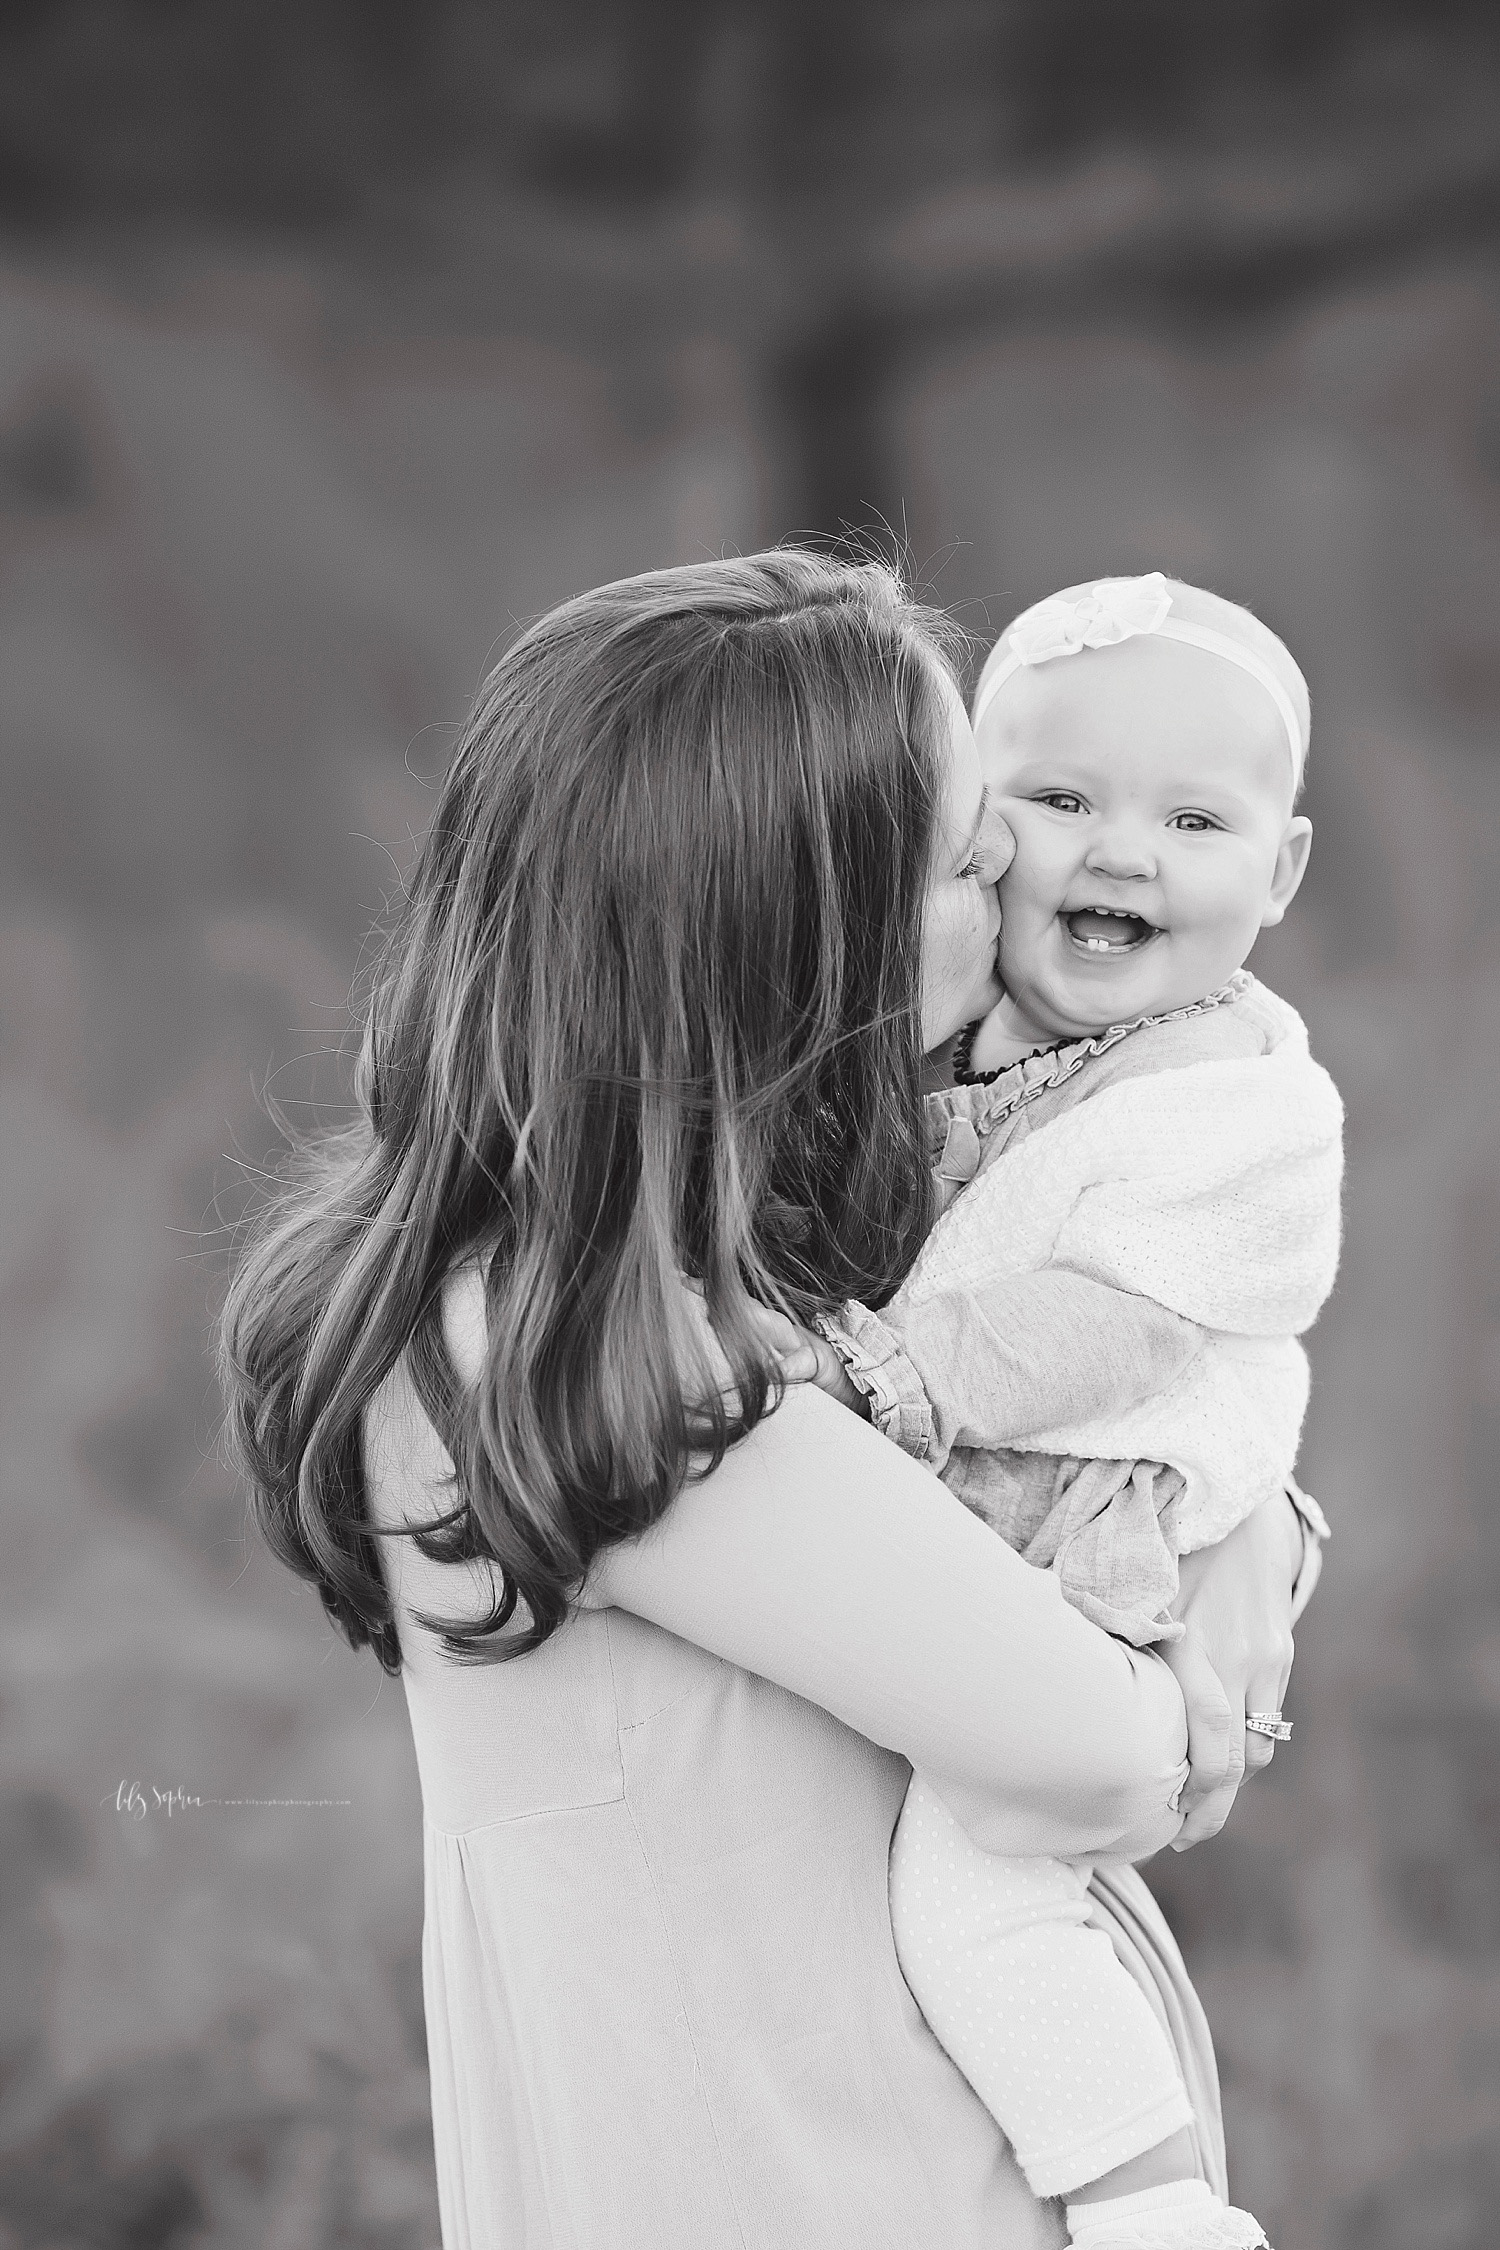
point(1106, 930)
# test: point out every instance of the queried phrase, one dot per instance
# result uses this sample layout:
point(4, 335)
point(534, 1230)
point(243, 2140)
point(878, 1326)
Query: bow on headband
point(1114, 610)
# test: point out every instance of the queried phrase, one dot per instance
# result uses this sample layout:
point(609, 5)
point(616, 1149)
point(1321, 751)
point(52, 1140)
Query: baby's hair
point(1199, 605)
point(648, 1007)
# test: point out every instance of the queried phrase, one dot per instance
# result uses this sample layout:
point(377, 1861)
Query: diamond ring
point(1269, 1723)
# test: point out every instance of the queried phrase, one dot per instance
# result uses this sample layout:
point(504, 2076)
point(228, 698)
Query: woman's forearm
point(822, 1558)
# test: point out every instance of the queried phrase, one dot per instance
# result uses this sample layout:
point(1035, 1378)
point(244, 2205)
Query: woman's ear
point(1291, 866)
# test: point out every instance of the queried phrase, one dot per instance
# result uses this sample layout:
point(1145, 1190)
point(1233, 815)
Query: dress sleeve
point(822, 1558)
point(992, 1364)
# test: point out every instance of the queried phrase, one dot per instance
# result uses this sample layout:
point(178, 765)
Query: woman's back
point(663, 2001)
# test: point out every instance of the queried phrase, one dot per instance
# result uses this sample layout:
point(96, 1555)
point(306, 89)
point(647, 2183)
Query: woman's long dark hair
point(648, 1008)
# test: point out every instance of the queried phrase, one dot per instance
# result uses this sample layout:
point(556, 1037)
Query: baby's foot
point(1186, 2215)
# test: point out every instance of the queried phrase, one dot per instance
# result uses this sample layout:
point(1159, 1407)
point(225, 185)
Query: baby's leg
point(1051, 2031)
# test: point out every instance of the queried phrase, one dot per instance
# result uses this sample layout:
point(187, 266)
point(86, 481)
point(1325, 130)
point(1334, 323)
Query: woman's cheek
point(967, 935)
point(950, 956)
point(948, 940)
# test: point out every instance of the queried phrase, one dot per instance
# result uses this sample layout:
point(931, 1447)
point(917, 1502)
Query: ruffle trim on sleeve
point(880, 1370)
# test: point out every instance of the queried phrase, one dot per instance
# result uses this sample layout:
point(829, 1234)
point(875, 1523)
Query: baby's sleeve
point(991, 1364)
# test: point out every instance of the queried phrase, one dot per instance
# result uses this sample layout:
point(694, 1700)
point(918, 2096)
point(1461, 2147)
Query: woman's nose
point(1121, 851)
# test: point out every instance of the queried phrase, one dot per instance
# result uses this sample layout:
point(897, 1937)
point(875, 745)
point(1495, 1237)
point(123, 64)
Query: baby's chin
point(1130, 998)
point(1081, 998)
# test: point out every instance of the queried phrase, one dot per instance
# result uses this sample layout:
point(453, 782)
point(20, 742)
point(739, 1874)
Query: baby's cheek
point(1013, 949)
point(1018, 888)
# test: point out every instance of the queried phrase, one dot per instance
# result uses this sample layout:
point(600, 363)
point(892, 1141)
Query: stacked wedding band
point(1269, 1723)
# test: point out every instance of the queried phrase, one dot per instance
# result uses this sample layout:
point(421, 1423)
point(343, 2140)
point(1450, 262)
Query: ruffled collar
point(987, 1099)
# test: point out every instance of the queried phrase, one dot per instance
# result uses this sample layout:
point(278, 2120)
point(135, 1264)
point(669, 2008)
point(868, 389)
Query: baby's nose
point(1121, 851)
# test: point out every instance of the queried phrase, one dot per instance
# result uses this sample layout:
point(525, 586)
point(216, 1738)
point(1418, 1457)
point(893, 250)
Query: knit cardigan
point(1195, 1163)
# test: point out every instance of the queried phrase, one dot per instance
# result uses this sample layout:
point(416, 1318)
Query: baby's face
point(1150, 790)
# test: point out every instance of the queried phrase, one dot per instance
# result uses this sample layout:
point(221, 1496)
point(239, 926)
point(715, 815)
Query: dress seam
point(630, 1726)
point(514, 1820)
point(666, 1930)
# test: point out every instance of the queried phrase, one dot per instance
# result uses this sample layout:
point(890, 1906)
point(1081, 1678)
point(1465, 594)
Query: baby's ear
point(1291, 865)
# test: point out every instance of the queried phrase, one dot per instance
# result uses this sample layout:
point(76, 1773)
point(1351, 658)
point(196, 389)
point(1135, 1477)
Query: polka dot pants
point(1051, 2031)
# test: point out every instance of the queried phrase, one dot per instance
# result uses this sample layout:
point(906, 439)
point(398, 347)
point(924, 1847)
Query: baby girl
point(1140, 1109)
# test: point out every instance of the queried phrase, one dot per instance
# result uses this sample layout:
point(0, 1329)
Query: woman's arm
point(822, 1558)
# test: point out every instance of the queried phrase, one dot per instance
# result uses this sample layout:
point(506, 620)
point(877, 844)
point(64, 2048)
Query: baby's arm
point(989, 1366)
point(1100, 1524)
point(1207, 1191)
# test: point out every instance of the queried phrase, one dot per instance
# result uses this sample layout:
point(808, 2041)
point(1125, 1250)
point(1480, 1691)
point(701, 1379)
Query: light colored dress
point(664, 2010)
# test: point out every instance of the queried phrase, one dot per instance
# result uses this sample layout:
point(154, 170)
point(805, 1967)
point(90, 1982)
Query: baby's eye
point(1192, 823)
point(1061, 800)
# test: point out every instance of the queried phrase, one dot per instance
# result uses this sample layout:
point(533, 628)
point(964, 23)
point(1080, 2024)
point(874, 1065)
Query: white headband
point(1117, 609)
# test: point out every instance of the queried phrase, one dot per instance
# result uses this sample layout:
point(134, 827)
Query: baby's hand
point(802, 1355)
point(806, 1357)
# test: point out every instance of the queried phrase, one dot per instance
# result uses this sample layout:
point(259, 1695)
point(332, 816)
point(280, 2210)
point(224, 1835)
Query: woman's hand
point(1235, 1601)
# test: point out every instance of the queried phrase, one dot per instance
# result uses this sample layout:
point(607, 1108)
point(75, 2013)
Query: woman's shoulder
point(408, 1471)
point(407, 1466)
point(409, 1483)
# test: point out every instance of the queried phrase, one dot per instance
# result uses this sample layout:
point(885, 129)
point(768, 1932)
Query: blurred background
point(336, 340)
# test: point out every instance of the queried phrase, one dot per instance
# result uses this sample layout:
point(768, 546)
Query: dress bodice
point(663, 2002)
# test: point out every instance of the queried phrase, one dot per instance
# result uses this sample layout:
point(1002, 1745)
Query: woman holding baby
point(520, 1371)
